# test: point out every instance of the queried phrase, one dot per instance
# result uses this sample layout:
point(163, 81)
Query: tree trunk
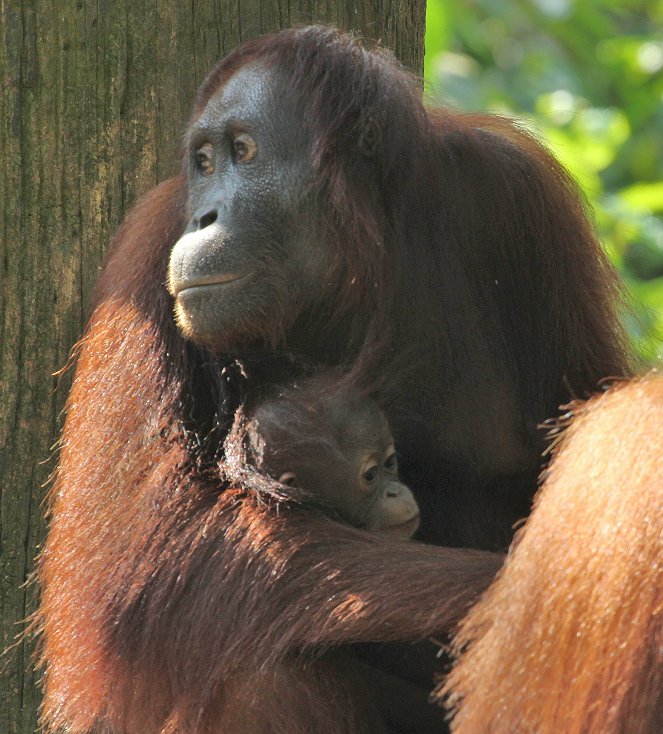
point(93, 101)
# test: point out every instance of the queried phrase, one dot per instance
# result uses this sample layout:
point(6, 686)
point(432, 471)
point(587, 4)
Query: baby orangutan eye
point(391, 463)
point(369, 475)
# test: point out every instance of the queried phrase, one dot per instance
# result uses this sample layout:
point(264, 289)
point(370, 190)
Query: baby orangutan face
point(337, 446)
point(384, 503)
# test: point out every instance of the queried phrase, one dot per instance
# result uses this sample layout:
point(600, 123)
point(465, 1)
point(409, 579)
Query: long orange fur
point(570, 637)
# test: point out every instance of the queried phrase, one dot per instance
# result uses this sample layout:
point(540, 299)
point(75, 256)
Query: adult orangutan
point(323, 217)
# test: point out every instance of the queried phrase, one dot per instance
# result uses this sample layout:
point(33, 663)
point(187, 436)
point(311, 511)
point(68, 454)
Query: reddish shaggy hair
point(570, 637)
point(468, 292)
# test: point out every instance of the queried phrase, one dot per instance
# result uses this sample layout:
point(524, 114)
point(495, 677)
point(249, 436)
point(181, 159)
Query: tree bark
point(94, 97)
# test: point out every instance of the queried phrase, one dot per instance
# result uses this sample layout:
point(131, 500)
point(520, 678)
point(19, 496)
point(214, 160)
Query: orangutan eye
point(391, 463)
point(288, 478)
point(369, 475)
point(204, 159)
point(244, 148)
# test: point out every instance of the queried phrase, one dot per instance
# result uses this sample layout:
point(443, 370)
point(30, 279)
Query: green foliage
point(587, 76)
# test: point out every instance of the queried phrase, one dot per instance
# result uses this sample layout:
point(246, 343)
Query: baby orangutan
point(335, 446)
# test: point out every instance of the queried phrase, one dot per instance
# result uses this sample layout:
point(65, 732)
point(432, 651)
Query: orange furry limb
point(569, 638)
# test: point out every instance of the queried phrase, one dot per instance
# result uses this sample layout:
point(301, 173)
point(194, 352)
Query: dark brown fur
point(464, 270)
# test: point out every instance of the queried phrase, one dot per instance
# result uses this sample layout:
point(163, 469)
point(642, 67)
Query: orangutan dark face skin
point(339, 449)
point(250, 253)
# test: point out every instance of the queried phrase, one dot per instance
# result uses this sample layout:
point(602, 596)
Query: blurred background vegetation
point(587, 77)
